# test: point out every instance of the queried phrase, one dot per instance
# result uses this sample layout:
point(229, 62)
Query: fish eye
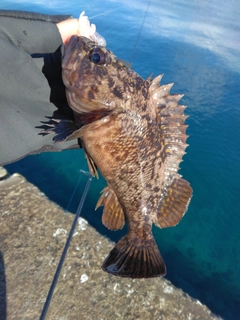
point(97, 56)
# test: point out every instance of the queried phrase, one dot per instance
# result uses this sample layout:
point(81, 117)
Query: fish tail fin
point(133, 257)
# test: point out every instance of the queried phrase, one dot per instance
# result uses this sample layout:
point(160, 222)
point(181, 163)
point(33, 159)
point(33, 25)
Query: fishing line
point(50, 247)
point(56, 276)
point(133, 52)
point(55, 279)
point(79, 209)
point(140, 30)
point(101, 14)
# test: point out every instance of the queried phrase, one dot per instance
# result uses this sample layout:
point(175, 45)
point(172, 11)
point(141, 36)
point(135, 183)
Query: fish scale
point(132, 130)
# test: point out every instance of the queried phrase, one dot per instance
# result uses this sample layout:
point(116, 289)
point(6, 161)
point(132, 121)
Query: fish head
point(95, 79)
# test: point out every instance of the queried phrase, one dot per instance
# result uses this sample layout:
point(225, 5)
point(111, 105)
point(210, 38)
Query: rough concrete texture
point(33, 232)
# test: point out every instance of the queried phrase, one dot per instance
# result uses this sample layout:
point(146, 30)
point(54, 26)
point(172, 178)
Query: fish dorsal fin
point(176, 192)
point(173, 129)
point(113, 216)
point(174, 203)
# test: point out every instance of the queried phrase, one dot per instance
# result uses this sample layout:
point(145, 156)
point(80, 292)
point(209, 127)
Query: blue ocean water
point(197, 46)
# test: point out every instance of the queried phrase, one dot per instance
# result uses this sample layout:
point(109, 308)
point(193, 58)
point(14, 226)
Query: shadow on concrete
point(3, 297)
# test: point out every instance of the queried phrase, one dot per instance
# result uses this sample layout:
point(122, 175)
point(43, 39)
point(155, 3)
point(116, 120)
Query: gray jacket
point(31, 88)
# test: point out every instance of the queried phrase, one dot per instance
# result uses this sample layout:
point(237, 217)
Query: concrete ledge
point(33, 232)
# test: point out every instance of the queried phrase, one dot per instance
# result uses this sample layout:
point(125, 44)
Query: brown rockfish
point(133, 131)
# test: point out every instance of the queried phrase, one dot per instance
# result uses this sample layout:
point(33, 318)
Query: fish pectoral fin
point(113, 216)
point(133, 257)
point(63, 129)
point(174, 204)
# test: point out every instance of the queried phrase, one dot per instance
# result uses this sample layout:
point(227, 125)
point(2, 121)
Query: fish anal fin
point(133, 257)
point(113, 216)
point(174, 204)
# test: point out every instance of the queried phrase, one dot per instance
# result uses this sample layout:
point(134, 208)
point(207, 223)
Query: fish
point(133, 131)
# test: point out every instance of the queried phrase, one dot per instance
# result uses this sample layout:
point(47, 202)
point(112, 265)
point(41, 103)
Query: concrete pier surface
point(33, 232)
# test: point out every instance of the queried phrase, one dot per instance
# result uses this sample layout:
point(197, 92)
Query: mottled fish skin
point(133, 131)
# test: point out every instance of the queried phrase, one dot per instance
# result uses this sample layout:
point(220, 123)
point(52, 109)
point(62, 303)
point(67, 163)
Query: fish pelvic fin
point(133, 257)
point(174, 203)
point(91, 164)
point(113, 215)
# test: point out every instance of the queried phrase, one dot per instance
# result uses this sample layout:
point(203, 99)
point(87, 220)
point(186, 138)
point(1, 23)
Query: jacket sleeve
point(25, 93)
point(33, 32)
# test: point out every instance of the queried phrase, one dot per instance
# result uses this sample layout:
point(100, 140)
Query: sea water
point(196, 44)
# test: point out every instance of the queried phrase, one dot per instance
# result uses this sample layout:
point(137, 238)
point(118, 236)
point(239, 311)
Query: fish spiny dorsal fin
point(176, 192)
point(173, 129)
point(155, 83)
point(149, 79)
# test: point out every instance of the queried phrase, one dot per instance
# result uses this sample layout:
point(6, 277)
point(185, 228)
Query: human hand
point(80, 27)
point(34, 91)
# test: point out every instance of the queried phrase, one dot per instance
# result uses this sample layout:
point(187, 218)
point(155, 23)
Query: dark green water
point(197, 47)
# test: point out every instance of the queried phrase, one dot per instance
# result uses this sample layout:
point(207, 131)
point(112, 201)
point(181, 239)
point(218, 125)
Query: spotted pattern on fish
point(133, 131)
